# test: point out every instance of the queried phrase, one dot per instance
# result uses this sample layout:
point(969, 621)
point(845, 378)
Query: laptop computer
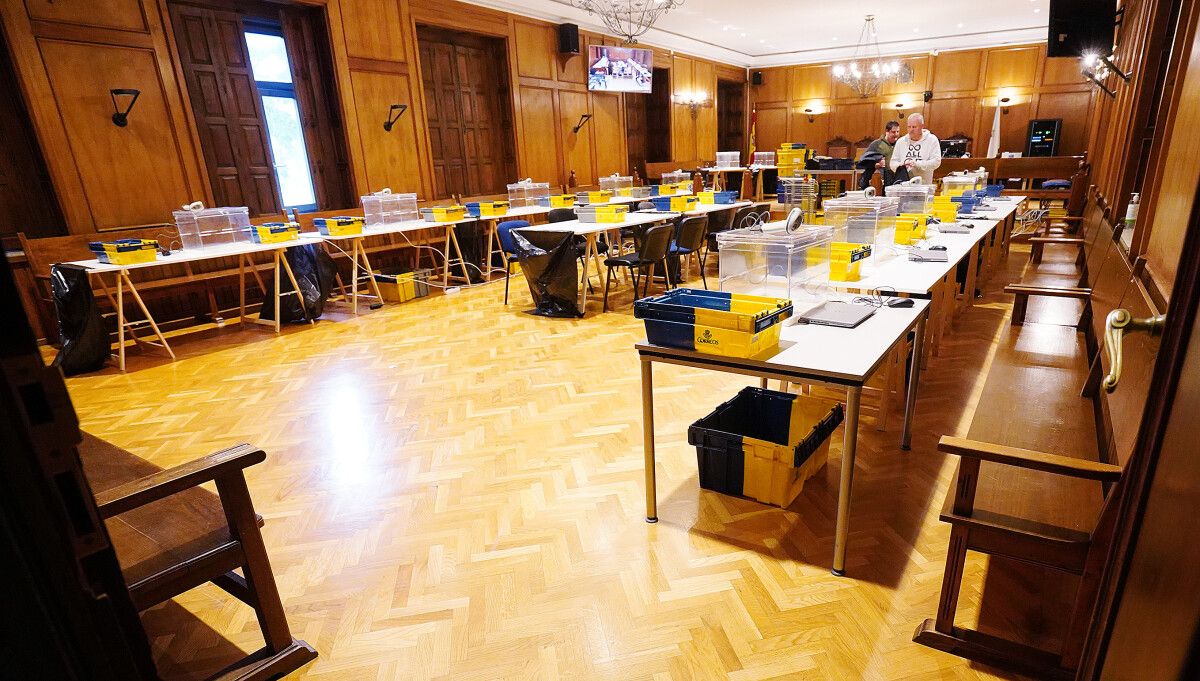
point(836, 313)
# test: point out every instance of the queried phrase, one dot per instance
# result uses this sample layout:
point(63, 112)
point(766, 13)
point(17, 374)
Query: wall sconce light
point(812, 115)
point(1004, 103)
point(693, 101)
point(582, 122)
point(900, 110)
point(1098, 68)
point(395, 111)
point(121, 118)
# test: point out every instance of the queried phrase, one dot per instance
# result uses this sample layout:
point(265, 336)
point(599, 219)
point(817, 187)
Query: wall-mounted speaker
point(568, 39)
point(928, 95)
point(756, 77)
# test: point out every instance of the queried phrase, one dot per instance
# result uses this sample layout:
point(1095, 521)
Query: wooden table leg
point(972, 274)
point(849, 445)
point(242, 289)
point(372, 284)
point(914, 375)
point(120, 322)
point(275, 257)
point(648, 439)
point(446, 253)
point(354, 247)
point(137, 297)
point(462, 262)
point(287, 268)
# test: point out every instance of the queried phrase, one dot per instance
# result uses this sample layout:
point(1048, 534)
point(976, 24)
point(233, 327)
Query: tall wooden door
point(27, 200)
point(228, 110)
point(731, 117)
point(469, 114)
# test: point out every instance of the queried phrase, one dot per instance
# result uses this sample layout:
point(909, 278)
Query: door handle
point(1119, 323)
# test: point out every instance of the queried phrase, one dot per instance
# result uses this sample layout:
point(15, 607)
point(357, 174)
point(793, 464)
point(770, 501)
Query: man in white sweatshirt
point(919, 151)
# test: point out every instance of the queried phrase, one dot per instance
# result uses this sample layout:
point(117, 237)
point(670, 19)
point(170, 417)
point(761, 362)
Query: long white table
point(807, 353)
point(591, 231)
point(360, 264)
point(241, 250)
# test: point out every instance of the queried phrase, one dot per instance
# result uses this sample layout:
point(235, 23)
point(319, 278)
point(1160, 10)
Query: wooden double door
point(469, 109)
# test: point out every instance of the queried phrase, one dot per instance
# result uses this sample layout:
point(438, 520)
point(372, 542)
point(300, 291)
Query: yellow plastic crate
point(624, 191)
point(557, 201)
point(444, 213)
point(922, 225)
point(487, 209)
point(402, 290)
point(845, 260)
point(598, 196)
point(614, 212)
point(769, 473)
point(906, 230)
point(125, 251)
point(340, 226)
point(275, 232)
point(714, 322)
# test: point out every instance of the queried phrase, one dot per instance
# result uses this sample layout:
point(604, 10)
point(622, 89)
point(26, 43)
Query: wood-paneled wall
point(67, 57)
point(966, 86)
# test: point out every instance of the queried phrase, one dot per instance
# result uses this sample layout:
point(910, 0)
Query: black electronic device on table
point(1043, 137)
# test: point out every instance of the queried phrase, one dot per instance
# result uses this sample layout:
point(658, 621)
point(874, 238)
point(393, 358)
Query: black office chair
point(652, 251)
point(689, 239)
point(735, 222)
point(560, 215)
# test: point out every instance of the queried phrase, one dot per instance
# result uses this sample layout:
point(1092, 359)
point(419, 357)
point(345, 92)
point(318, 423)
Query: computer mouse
point(900, 302)
point(937, 248)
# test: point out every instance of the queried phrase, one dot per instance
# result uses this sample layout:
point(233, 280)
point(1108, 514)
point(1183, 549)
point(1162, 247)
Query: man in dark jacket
point(883, 146)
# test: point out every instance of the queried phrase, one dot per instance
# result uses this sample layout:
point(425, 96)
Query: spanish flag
point(753, 125)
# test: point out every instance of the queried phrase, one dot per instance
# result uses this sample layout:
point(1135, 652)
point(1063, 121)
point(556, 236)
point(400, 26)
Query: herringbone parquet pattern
point(453, 490)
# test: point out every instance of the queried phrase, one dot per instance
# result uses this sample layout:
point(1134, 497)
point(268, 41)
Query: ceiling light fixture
point(627, 18)
point(874, 71)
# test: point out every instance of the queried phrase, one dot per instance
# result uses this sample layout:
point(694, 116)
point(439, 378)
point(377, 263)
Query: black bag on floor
point(83, 340)
point(548, 262)
point(470, 242)
point(316, 274)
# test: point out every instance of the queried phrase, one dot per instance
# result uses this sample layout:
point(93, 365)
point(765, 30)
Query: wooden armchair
point(171, 535)
point(988, 513)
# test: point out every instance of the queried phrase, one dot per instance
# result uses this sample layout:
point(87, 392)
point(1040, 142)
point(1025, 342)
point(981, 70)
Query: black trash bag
point(83, 340)
point(316, 274)
point(548, 261)
point(470, 243)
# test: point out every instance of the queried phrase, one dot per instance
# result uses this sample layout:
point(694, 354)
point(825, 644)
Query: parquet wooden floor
point(453, 490)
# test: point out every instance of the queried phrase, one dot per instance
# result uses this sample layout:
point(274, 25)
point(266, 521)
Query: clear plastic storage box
point(764, 158)
point(914, 198)
point(676, 176)
point(527, 193)
point(385, 208)
point(199, 226)
point(865, 221)
point(957, 183)
point(729, 159)
point(616, 182)
point(798, 192)
point(776, 263)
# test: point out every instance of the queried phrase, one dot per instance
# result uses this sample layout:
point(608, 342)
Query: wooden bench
point(1045, 493)
point(172, 535)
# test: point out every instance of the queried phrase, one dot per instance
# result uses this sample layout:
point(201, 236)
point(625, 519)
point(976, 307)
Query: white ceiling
point(757, 33)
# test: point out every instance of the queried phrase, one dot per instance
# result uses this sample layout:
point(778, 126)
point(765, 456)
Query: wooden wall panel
point(390, 158)
point(1011, 67)
point(953, 115)
point(704, 79)
point(577, 147)
point(1014, 126)
point(539, 157)
point(774, 87)
point(957, 71)
point(814, 134)
point(123, 14)
point(373, 29)
point(1072, 108)
point(142, 160)
point(854, 121)
point(1061, 71)
point(611, 154)
point(535, 49)
point(771, 128)
point(811, 84)
point(920, 67)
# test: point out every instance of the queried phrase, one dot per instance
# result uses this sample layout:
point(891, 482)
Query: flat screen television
point(620, 69)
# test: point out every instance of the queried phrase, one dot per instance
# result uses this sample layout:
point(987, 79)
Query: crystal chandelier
point(866, 77)
point(627, 18)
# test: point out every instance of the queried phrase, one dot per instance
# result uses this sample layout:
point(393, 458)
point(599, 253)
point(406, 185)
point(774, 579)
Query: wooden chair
point(172, 535)
point(838, 147)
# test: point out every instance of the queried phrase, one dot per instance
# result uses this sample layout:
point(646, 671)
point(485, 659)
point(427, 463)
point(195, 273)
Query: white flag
point(994, 143)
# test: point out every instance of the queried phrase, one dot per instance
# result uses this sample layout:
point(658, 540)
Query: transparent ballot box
point(728, 159)
point(199, 226)
point(955, 184)
point(798, 192)
point(385, 208)
point(527, 193)
point(676, 176)
point(867, 221)
point(764, 158)
point(776, 263)
point(914, 198)
point(619, 185)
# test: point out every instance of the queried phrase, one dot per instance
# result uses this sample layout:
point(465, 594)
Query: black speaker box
point(1079, 26)
point(756, 77)
point(568, 39)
